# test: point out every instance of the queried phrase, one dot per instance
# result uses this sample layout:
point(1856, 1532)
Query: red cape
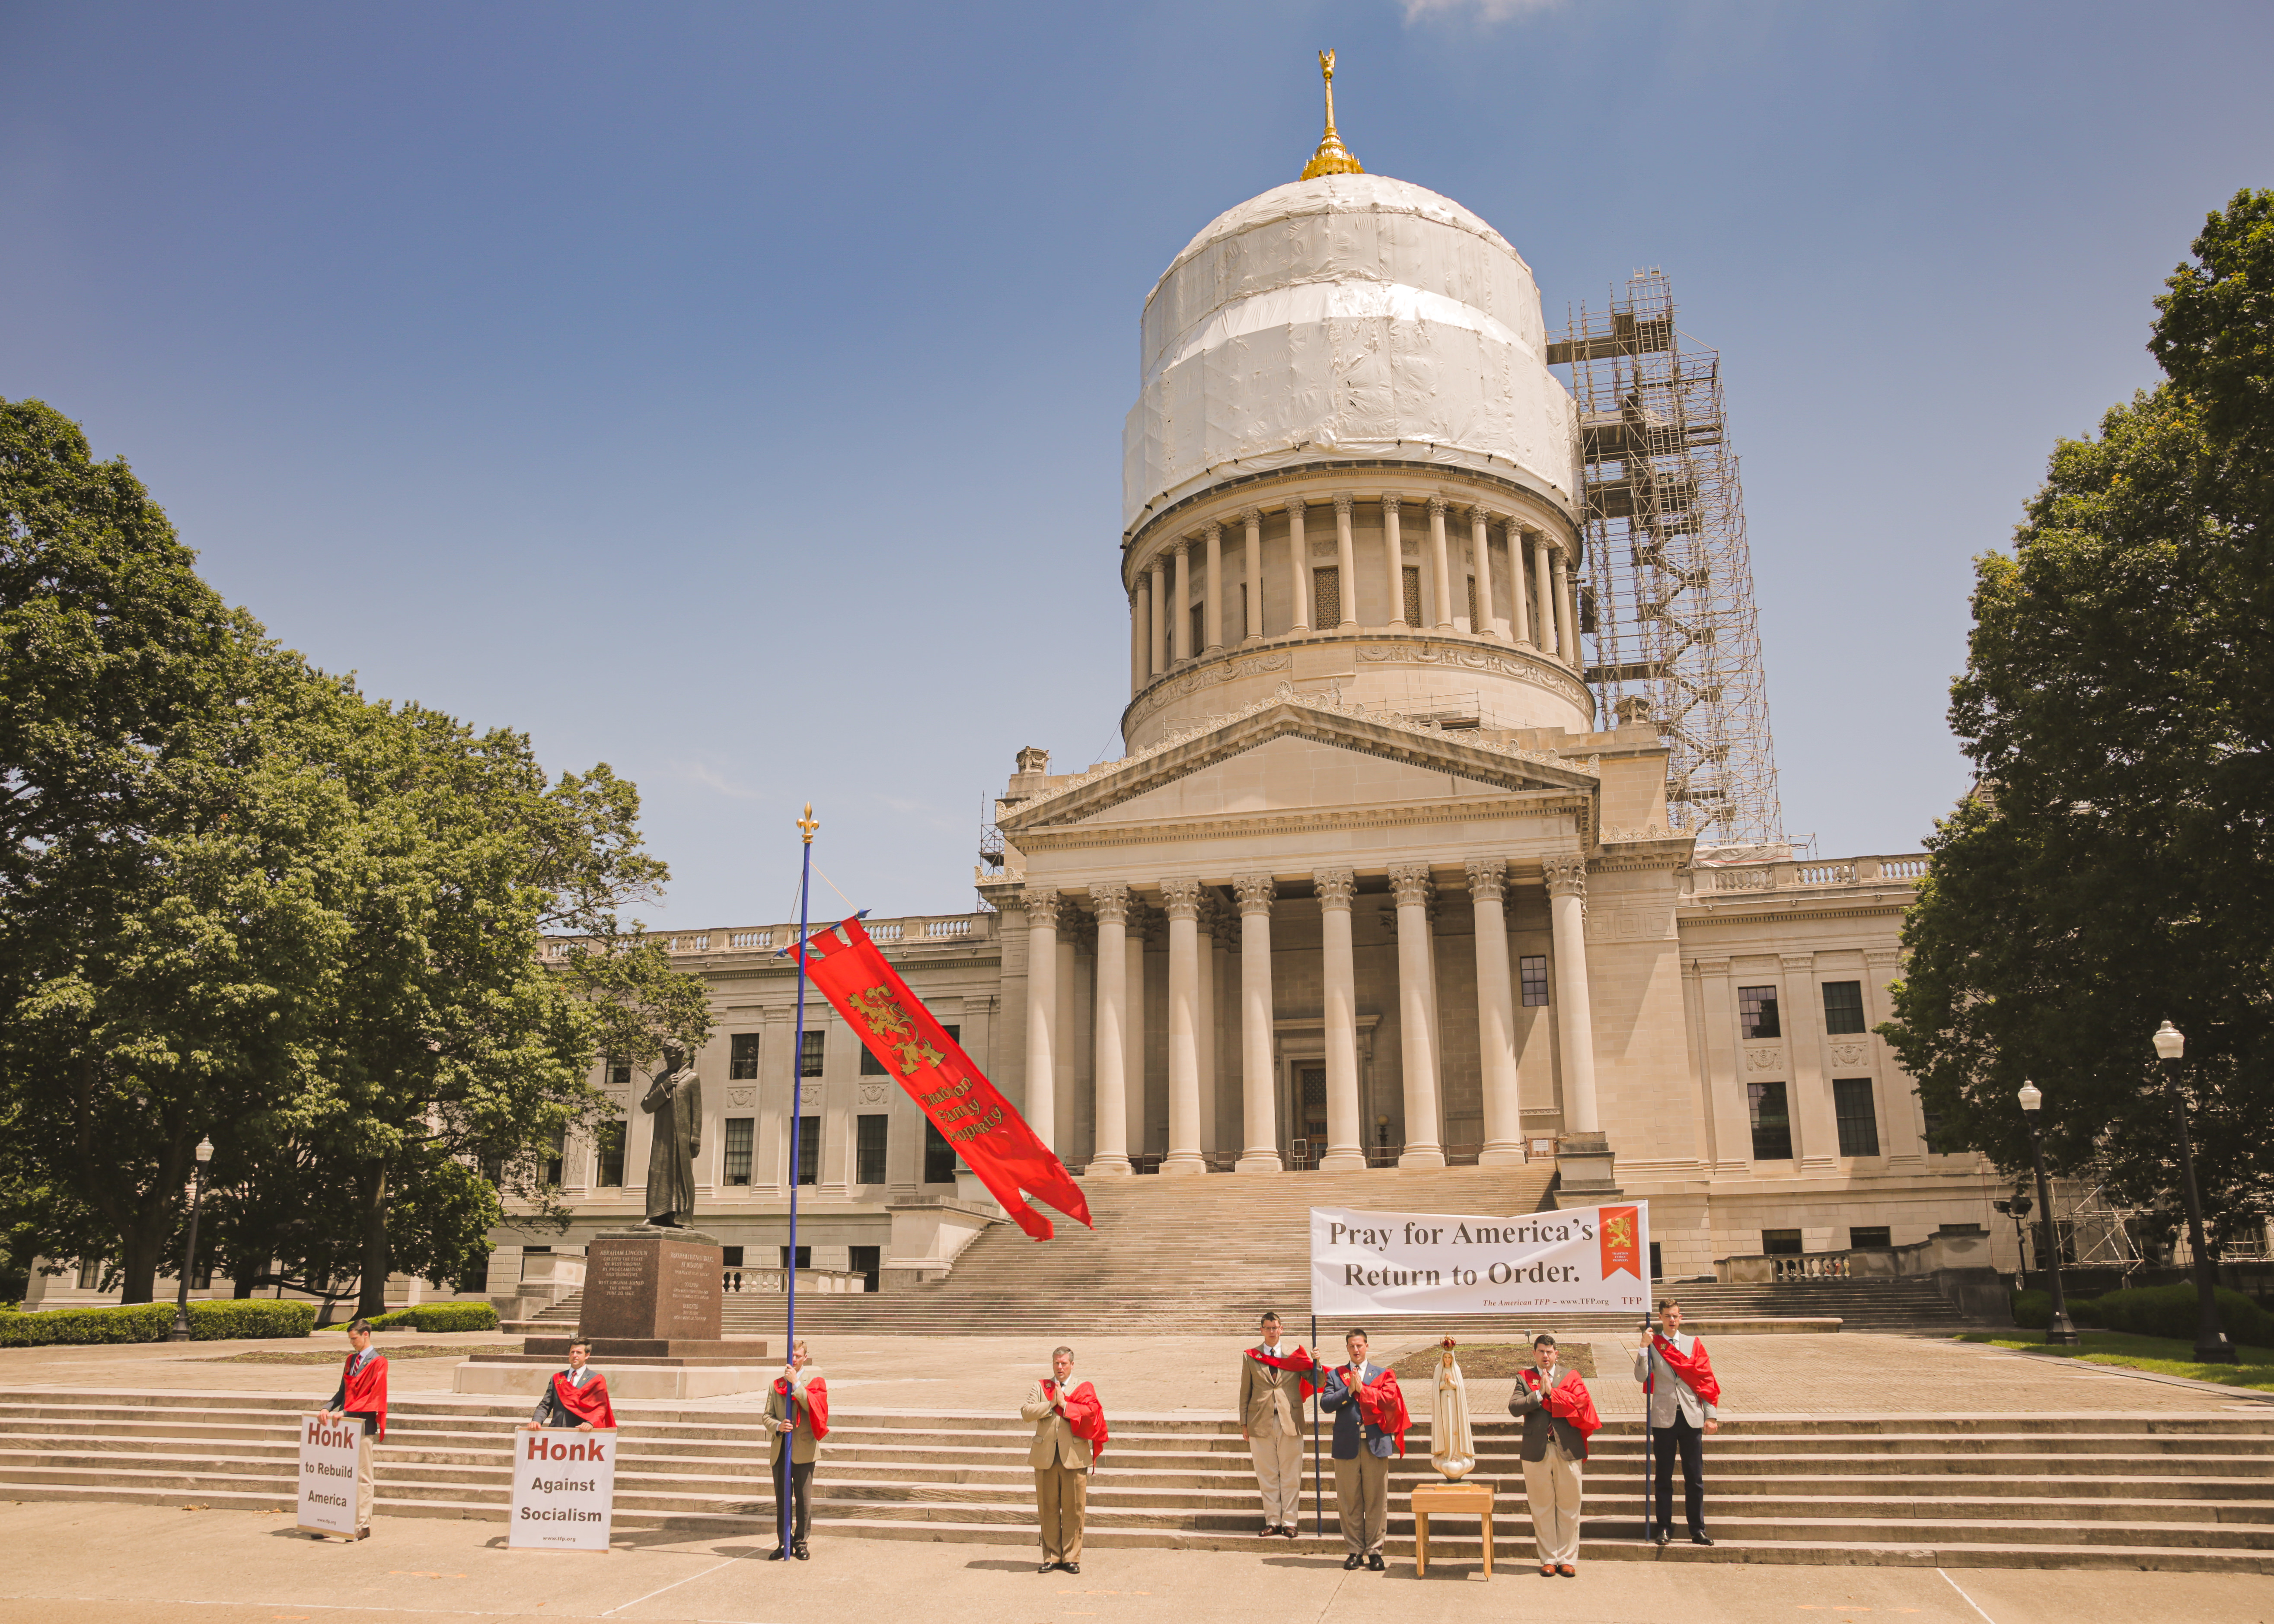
point(1083, 1414)
point(1298, 1360)
point(1696, 1370)
point(366, 1389)
point(1382, 1402)
point(1572, 1402)
point(816, 1403)
point(588, 1402)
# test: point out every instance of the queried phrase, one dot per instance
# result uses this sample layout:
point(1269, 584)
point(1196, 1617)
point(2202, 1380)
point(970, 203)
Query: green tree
point(2115, 867)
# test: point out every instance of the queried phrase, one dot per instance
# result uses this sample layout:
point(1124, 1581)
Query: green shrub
point(2033, 1311)
point(440, 1317)
point(2173, 1311)
point(223, 1320)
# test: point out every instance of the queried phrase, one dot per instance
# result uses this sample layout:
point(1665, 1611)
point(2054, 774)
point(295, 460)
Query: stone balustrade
point(1787, 874)
point(915, 930)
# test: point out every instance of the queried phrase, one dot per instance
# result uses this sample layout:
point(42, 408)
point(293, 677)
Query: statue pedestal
point(1585, 1171)
point(652, 1310)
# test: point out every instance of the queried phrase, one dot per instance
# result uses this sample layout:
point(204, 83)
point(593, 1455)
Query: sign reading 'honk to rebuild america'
point(330, 1451)
point(1583, 1259)
point(564, 1490)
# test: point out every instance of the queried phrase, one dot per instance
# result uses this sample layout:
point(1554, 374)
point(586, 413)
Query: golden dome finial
point(1332, 158)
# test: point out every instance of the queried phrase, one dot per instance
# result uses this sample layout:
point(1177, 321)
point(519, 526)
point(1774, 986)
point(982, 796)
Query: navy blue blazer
point(1339, 1401)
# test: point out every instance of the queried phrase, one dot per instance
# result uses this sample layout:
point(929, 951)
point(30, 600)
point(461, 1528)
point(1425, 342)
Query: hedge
point(2168, 1311)
point(228, 1320)
point(440, 1317)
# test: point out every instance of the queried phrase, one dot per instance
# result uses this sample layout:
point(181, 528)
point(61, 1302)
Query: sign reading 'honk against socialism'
point(564, 1490)
point(330, 1451)
point(1583, 1259)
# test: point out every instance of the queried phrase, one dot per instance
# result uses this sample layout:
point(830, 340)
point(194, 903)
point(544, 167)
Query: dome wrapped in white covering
point(1352, 315)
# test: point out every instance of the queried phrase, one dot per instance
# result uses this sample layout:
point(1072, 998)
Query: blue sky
point(734, 394)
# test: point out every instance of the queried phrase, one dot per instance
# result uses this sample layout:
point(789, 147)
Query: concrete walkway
point(97, 1564)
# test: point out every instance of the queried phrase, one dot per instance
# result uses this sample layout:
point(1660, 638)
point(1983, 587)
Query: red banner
point(1621, 1237)
point(993, 1140)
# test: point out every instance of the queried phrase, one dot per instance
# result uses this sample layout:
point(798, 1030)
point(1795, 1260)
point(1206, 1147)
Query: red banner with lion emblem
point(1621, 1243)
point(993, 1140)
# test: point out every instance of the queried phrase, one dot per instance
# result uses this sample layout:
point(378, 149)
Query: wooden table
point(1458, 1499)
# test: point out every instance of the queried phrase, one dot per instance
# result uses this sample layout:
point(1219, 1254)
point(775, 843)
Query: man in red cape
point(577, 1397)
point(1370, 1415)
point(1559, 1418)
point(362, 1395)
point(797, 1410)
point(1273, 1386)
point(1683, 1394)
point(1070, 1434)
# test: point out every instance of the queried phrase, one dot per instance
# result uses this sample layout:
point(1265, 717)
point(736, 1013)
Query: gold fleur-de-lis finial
point(1332, 158)
point(808, 824)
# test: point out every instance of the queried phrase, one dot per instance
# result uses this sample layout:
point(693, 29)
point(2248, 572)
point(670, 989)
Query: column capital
point(1251, 516)
point(1479, 513)
point(1158, 564)
point(1410, 883)
point(1043, 909)
point(1294, 506)
point(1438, 505)
point(1487, 878)
point(1111, 899)
point(1211, 531)
point(1335, 887)
point(1566, 874)
point(1343, 501)
point(1181, 898)
point(1218, 917)
point(1182, 546)
point(1391, 501)
point(1255, 891)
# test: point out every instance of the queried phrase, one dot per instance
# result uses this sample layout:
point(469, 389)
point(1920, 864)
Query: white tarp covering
point(1582, 1259)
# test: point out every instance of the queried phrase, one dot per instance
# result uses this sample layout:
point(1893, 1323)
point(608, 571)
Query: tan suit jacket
point(1054, 1438)
point(802, 1445)
point(1270, 1400)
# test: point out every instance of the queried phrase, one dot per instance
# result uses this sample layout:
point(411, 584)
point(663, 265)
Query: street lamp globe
point(204, 1152)
point(2032, 1096)
point(2171, 1043)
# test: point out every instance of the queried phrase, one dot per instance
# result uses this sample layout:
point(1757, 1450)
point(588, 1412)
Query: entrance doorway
point(1312, 1130)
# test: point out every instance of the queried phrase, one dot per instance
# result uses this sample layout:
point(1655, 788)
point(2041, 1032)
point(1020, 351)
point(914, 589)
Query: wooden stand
point(1456, 1499)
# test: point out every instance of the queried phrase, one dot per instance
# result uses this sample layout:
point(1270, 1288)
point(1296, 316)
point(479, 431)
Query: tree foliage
point(2115, 868)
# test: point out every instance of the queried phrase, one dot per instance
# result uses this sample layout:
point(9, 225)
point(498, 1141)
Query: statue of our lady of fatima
point(1452, 1445)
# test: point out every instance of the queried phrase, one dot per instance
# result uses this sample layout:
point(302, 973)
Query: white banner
point(329, 1454)
point(564, 1489)
point(1583, 1260)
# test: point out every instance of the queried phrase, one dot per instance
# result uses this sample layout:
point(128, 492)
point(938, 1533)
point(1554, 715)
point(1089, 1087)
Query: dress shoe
point(1699, 1537)
point(780, 1555)
point(363, 1533)
point(1353, 1560)
point(799, 1552)
point(1287, 1529)
point(1048, 1567)
point(1661, 1537)
point(1567, 1570)
point(1376, 1564)
point(1269, 1528)
point(1547, 1570)
point(1071, 1568)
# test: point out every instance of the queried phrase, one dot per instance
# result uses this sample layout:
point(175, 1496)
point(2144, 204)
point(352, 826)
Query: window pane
point(809, 1059)
point(1843, 1006)
point(737, 1170)
point(1772, 1123)
point(809, 1150)
point(1412, 612)
point(870, 1066)
point(804, 1256)
point(939, 1157)
point(743, 1057)
point(1756, 1012)
point(1876, 1240)
point(868, 1150)
point(1476, 623)
point(609, 1148)
point(553, 1158)
point(1326, 598)
point(621, 1076)
point(1859, 1124)
point(1533, 970)
point(1780, 1243)
point(1200, 628)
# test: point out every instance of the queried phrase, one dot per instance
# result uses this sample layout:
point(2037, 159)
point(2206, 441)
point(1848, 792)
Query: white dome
point(1349, 316)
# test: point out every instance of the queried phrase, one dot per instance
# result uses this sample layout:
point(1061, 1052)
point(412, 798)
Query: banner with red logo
point(1622, 1238)
point(1583, 1260)
point(993, 1140)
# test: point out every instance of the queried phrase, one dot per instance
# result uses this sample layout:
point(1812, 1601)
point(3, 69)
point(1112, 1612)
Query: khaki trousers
point(1063, 1493)
point(1362, 1501)
point(1279, 1459)
point(1552, 1486)
point(365, 1487)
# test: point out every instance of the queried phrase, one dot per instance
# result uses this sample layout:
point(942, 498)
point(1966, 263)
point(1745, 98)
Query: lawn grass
point(2162, 1354)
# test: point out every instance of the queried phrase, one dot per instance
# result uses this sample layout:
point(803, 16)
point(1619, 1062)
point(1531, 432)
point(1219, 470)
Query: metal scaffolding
point(1668, 599)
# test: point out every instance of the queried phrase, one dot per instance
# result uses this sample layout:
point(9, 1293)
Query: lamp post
point(2058, 1331)
point(181, 1331)
point(2017, 1208)
point(2211, 1346)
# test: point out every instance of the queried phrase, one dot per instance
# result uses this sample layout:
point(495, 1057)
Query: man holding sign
point(361, 1401)
point(578, 1397)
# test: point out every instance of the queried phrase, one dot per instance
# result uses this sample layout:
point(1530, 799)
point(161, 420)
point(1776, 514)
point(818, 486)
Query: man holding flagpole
point(1679, 1378)
point(797, 1412)
point(1273, 1385)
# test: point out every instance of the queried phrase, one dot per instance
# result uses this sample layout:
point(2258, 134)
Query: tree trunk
point(371, 1211)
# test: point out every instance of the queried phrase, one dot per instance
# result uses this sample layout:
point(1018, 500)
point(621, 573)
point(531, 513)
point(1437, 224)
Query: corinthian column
point(1298, 567)
point(1393, 553)
point(1260, 1146)
point(1567, 635)
point(1181, 618)
point(1212, 611)
point(1110, 1152)
point(1480, 545)
point(1575, 1027)
point(1181, 901)
point(1345, 559)
point(1417, 1032)
point(1041, 1013)
point(1449, 618)
point(1252, 630)
point(1137, 616)
point(1543, 578)
point(1345, 1132)
point(1495, 1015)
point(1160, 612)
point(1519, 596)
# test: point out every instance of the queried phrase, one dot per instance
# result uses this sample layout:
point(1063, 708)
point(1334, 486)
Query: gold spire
point(1332, 158)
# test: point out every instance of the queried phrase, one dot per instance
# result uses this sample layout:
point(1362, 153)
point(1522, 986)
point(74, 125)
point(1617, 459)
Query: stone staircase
point(1207, 1256)
point(2181, 1492)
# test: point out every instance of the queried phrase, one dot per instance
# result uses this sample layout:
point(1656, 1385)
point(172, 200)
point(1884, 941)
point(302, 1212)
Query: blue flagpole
point(806, 826)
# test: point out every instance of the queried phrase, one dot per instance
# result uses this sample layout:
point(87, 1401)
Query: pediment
point(1296, 753)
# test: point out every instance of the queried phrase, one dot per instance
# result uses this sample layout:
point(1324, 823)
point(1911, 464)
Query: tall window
point(90, 1274)
point(620, 1077)
point(868, 1148)
point(1411, 575)
point(1475, 624)
point(939, 1157)
point(1859, 1124)
point(1756, 1012)
point(1326, 598)
point(1771, 1121)
point(1843, 1006)
point(1532, 971)
point(553, 1158)
point(1200, 628)
point(608, 1156)
point(743, 1057)
point(1780, 1243)
point(808, 1057)
point(870, 1066)
point(737, 1168)
point(809, 1150)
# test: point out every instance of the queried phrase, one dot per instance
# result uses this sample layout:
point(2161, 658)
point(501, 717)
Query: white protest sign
point(1583, 1260)
point(329, 1453)
point(564, 1489)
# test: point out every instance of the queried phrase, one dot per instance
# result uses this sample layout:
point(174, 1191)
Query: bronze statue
point(675, 1100)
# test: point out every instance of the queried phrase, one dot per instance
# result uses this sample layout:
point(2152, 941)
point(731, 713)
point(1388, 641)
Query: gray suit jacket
point(1539, 1427)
